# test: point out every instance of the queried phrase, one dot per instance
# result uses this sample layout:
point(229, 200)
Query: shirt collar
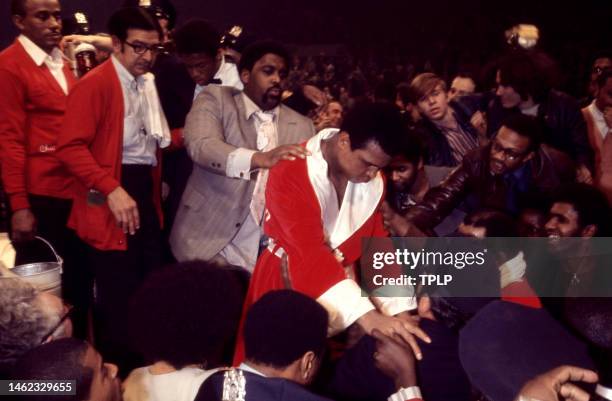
point(125, 77)
point(251, 108)
point(220, 69)
point(247, 368)
point(595, 112)
point(37, 54)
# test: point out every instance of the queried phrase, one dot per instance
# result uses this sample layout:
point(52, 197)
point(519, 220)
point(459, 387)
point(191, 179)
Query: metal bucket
point(47, 276)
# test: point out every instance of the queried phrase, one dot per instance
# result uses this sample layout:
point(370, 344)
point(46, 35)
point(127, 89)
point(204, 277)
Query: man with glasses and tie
point(112, 132)
point(233, 138)
point(497, 176)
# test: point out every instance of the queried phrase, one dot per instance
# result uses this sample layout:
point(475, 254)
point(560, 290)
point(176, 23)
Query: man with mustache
point(495, 176)
point(112, 132)
point(233, 139)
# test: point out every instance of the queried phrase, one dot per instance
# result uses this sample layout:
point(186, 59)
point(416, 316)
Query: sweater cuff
point(107, 185)
point(19, 201)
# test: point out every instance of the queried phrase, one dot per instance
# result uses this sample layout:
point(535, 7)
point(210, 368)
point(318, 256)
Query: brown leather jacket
point(473, 183)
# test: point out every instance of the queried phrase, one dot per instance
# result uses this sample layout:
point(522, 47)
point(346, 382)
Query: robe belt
point(275, 249)
point(279, 252)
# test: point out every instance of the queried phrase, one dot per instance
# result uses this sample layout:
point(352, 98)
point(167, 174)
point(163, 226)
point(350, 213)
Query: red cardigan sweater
point(32, 106)
point(91, 146)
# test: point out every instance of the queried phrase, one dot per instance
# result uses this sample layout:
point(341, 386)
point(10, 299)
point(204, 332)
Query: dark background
point(446, 35)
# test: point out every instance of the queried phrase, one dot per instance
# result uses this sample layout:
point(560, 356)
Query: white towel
point(153, 114)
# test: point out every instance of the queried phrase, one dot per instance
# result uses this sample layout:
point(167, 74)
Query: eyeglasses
point(67, 313)
point(141, 48)
point(508, 153)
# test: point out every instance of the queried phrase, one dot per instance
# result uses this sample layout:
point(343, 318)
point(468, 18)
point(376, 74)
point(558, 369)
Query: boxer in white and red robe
point(319, 240)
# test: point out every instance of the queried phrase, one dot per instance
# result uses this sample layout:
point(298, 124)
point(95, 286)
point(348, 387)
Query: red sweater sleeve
point(12, 145)
point(84, 117)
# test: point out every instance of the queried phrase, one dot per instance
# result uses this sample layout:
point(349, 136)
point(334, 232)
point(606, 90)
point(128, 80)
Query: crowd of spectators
point(208, 195)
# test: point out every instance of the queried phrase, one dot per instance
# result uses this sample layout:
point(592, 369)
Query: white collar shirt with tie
point(138, 147)
point(242, 250)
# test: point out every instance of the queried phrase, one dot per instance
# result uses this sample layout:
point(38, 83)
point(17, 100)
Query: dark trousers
point(118, 274)
point(77, 282)
point(177, 168)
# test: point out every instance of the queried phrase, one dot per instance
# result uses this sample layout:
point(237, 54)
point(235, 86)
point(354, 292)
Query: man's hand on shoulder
point(270, 158)
point(23, 225)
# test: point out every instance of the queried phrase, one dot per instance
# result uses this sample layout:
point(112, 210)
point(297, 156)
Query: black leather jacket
point(564, 126)
point(472, 182)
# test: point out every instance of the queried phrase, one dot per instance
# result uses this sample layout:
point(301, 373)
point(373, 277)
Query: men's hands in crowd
point(424, 308)
point(270, 158)
point(125, 210)
point(23, 225)
point(555, 385)
point(395, 360)
point(583, 175)
point(314, 94)
point(405, 329)
point(98, 41)
point(392, 221)
point(479, 122)
point(608, 116)
point(398, 225)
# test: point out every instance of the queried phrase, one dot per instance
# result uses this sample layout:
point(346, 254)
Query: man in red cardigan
point(110, 139)
point(34, 82)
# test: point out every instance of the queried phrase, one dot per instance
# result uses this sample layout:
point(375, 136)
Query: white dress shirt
point(600, 121)
point(53, 61)
point(239, 161)
point(242, 249)
point(138, 147)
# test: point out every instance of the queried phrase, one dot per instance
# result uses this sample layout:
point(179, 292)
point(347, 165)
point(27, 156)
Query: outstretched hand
point(556, 385)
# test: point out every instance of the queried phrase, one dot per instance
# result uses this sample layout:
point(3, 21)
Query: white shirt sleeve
point(406, 394)
point(239, 163)
point(391, 306)
point(345, 304)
